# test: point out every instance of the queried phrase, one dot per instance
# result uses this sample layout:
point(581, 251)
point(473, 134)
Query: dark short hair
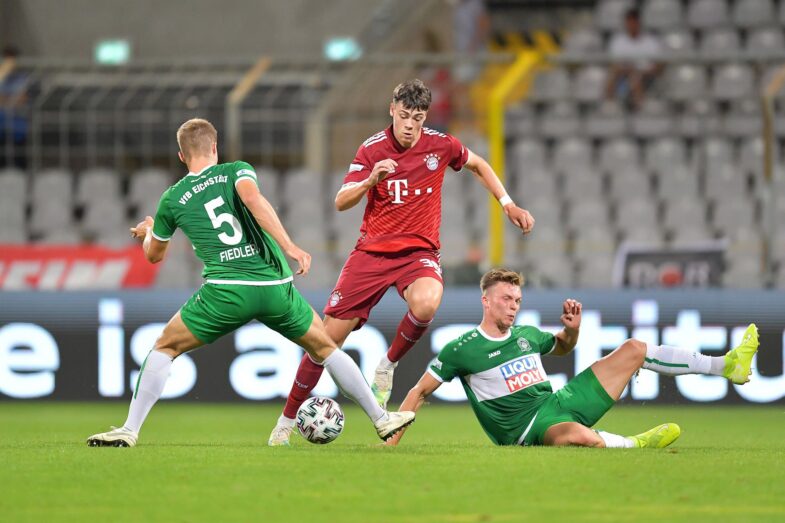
point(413, 94)
point(494, 276)
point(633, 12)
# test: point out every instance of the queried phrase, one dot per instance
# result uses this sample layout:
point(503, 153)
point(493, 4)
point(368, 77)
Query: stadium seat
point(61, 236)
point(578, 187)
point(551, 85)
point(731, 215)
point(52, 182)
point(520, 122)
point(654, 119)
point(583, 41)
point(630, 182)
point(751, 156)
point(662, 14)
point(778, 249)
point(609, 120)
point(145, 188)
point(765, 40)
point(636, 211)
point(269, 183)
point(535, 184)
point(677, 181)
point(101, 215)
point(686, 82)
point(688, 234)
point(677, 42)
point(621, 153)
point(699, 119)
point(782, 13)
point(725, 183)
point(13, 187)
point(587, 213)
point(733, 82)
point(97, 184)
point(684, 211)
point(560, 120)
point(642, 234)
point(753, 13)
point(588, 84)
point(705, 14)
point(302, 185)
point(743, 119)
point(591, 241)
point(595, 272)
point(551, 271)
point(527, 155)
point(720, 42)
point(572, 155)
point(716, 154)
point(744, 274)
point(664, 155)
point(609, 14)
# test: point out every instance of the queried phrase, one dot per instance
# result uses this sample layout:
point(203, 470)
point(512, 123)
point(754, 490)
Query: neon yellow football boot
point(657, 438)
point(739, 360)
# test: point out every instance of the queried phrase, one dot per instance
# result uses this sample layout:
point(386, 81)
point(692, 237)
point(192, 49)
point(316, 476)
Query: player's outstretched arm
point(571, 319)
point(351, 193)
point(266, 217)
point(484, 173)
point(154, 249)
point(414, 400)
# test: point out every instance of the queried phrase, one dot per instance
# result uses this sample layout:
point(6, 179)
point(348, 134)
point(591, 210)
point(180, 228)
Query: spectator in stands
point(13, 118)
point(634, 55)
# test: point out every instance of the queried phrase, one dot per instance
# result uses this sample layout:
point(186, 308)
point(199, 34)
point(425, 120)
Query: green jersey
point(224, 234)
point(503, 377)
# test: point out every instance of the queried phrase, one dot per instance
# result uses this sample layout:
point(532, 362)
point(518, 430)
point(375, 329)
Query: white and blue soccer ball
point(320, 420)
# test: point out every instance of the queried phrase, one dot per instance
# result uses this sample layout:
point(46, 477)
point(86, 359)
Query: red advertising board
point(69, 267)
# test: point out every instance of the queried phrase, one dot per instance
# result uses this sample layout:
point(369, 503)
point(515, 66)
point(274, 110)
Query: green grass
point(208, 462)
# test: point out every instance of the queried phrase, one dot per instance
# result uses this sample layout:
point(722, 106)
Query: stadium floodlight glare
point(342, 48)
point(112, 52)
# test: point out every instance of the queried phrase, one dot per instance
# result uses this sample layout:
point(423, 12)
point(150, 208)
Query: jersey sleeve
point(459, 154)
point(243, 171)
point(542, 342)
point(164, 224)
point(443, 367)
point(360, 168)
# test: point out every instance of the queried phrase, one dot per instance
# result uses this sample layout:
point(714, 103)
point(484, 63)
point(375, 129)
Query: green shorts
point(582, 400)
point(218, 309)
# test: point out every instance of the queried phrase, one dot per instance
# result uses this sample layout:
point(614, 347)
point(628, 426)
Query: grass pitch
point(209, 462)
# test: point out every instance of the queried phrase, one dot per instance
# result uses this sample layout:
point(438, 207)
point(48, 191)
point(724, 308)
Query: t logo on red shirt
point(397, 191)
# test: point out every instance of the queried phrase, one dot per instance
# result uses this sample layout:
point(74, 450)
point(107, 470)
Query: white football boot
point(279, 437)
point(117, 437)
point(395, 422)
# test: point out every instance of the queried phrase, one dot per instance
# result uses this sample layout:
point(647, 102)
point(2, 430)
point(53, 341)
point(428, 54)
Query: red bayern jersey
point(404, 211)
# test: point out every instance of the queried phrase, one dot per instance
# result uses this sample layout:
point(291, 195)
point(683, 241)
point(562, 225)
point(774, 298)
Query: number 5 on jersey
point(225, 217)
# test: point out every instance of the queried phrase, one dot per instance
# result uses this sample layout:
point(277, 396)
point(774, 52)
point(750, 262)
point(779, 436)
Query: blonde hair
point(494, 276)
point(196, 138)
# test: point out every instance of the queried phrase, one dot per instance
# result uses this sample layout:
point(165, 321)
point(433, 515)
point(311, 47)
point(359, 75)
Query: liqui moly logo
point(521, 373)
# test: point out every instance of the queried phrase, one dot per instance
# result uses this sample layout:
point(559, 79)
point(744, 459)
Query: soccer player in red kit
point(400, 171)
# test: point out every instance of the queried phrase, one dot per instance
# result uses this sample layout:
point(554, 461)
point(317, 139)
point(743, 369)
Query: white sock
point(352, 383)
point(386, 364)
point(614, 441)
point(283, 421)
point(673, 361)
point(149, 386)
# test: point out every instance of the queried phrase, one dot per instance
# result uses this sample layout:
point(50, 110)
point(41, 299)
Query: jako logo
point(521, 373)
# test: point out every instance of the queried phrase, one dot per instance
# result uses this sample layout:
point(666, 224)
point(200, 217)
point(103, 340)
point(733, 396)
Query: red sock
point(308, 374)
point(410, 330)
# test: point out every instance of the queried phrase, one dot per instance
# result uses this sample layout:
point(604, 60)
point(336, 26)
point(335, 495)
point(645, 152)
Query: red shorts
point(366, 276)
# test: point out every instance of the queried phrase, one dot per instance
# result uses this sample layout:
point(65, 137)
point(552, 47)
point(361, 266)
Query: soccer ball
point(320, 420)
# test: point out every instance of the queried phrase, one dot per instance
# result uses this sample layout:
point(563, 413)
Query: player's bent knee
point(425, 308)
point(634, 349)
